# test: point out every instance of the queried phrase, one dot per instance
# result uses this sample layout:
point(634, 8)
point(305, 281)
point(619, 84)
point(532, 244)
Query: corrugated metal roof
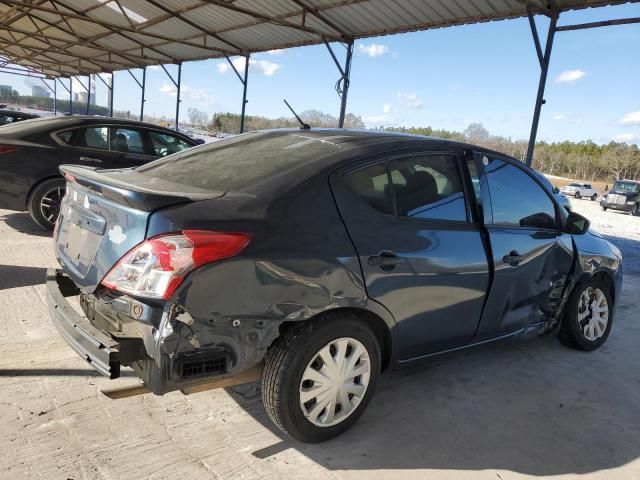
point(76, 37)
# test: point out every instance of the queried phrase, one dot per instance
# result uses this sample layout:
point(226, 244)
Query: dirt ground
point(524, 408)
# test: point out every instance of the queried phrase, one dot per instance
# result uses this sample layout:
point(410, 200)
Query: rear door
point(532, 257)
point(109, 146)
point(421, 255)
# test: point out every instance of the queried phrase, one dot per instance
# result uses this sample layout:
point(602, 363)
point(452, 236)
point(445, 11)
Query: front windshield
point(574, 184)
point(626, 187)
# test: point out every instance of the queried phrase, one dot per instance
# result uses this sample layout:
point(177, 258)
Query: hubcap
point(50, 203)
point(335, 382)
point(593, 313)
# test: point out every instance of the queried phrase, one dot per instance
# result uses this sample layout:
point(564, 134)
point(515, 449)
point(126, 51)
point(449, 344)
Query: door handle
point(90, 159)
point(386, 259)
point(513, 258)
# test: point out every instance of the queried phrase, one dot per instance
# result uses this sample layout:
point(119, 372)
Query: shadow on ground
point(530, 406)
point(22, 222)
point(14, 276)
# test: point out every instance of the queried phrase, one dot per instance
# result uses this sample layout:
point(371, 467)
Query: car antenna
point(303, 126)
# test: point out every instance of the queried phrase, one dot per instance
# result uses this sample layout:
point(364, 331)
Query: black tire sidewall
point(323, 332)
point(570, 321)
point(33, 203)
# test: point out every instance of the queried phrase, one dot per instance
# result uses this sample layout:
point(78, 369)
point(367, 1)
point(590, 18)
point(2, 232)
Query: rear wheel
point(594, 197)
point(44, 202)
point(604, 209)
point(587, 316)
point(320, 375)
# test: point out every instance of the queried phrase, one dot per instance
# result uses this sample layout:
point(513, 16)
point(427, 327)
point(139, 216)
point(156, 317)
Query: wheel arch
point(39, 182)
point(380, 328)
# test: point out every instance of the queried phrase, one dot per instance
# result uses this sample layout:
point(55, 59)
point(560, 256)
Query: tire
point(577, 195)
point(594, 197)
point(297, 354)
point(41, 213)
point(575, 331)
point(635, 211)
point(604, 209)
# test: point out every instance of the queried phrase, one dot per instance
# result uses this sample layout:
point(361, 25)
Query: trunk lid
point(104, 214)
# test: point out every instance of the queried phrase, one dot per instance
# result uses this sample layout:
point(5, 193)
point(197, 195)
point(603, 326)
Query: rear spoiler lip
point(128, 193)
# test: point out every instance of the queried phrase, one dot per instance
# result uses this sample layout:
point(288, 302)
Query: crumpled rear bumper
point(98, 348)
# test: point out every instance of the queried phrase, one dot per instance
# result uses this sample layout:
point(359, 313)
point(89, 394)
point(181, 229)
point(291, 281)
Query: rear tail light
point(156, 267)
point(7, 149)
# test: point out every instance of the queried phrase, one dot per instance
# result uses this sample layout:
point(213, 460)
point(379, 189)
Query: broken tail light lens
point(156, 267)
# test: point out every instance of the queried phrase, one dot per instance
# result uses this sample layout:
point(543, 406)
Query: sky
point(446, 78)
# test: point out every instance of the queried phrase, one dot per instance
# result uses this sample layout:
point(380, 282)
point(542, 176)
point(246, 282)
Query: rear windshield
point(626, 187)
point(575, 185)
point(238, 162)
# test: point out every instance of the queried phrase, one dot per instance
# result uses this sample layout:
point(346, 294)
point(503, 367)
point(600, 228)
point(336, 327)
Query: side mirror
point(199, 141)
point(576, 224)
point(556, 190)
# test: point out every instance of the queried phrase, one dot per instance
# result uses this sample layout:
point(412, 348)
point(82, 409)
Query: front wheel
point(320, 375)
point(44, 202)
point(593, 197)
point(577, 195)
point(604, 209)
point(635, 210)
point(587, 316)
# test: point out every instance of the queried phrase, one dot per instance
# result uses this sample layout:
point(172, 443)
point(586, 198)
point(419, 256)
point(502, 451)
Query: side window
point(126, 140)
point(475, 179)
point(371, 184)
point(65, 136)
point(516, 199)
point(6, 119)
point(95, 137)
point(165, 144)
point(428, 187)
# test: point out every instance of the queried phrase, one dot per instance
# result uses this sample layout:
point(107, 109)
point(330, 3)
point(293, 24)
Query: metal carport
point(56, 39)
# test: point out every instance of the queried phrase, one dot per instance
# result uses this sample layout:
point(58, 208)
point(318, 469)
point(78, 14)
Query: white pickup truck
point(579, 190)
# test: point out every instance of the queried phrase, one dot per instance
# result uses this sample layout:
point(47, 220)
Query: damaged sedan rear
point(316, 259)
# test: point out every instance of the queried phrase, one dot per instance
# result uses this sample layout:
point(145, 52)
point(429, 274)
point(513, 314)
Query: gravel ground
point(527, 408)
point(620, 228)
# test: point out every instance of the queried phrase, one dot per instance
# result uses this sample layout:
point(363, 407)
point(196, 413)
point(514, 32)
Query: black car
point(317, 259)
point(32, 151)
point(624, 195)
point(8, 117)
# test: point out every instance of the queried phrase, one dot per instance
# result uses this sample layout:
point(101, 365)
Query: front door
point(532, 258)
point(421, 256)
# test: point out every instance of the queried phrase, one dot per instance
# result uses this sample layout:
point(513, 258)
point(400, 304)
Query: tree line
point(584, 160)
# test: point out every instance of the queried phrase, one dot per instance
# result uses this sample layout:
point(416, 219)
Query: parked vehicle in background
point(316, 259)
point(579, 190)
point(624, 195)
point(562, 199)
point(31, 152)
point(8, 117)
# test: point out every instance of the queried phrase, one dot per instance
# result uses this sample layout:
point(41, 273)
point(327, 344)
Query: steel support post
point(544, 69)
point(88, 94)
point(142, 87)
point(70, 95)
point(176, 83)
point(342, 86)
point(178, 95)
point(111, 82)
point(244, 93)
point(244, 81)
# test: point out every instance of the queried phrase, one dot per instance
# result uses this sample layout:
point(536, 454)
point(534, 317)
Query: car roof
point(40, 125)
point(4, 111)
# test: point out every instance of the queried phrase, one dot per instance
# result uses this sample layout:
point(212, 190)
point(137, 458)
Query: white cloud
point(632, 118)
point(277, 52)
point(570, 76)
point(626, 137)
point(410, 100)
point(199, 95)
point(386, 108)
point(263, 66)
point(560, 116)
point(373, 49)
point(154, 67)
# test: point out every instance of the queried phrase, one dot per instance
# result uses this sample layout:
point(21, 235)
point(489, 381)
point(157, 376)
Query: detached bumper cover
point(96, 347)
